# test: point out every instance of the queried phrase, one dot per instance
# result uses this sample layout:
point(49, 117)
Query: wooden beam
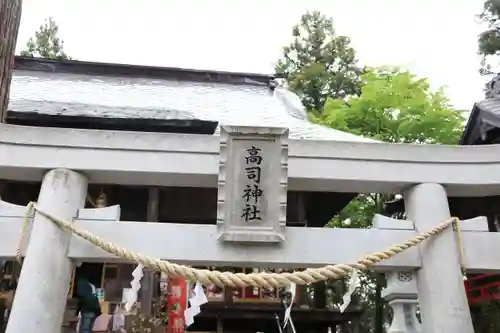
point(2, 186)
point(10, 18)
point(30, 118)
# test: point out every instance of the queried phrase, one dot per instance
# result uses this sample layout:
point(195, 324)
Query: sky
point(433, 39)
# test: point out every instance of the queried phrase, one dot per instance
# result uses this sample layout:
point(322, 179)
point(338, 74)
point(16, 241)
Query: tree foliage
point(396, 106)
point(489, 40)
point(319, 64)
point(386, 104)
point(486, 317)
point(359, 214)
point(46, 43)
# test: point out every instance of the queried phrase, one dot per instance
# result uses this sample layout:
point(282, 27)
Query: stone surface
point(388, 223)
point(111, 213)
point(400, 284)
point(401, 293)
point(44, 281)
point(404, 317)
point(477, 224)
point(253, 177)
point(188, 241)
point(110, 157)
point(10, 210)
point(331, 245)
point(16, 214)
point(441, 290)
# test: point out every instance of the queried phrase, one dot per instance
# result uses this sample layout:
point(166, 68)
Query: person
point(88, 305)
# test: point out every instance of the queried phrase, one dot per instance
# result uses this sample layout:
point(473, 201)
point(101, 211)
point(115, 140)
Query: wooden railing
point(249, 294)
point(483, 288)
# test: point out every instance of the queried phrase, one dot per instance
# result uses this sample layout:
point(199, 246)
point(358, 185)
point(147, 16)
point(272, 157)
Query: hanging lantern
point(102, 200)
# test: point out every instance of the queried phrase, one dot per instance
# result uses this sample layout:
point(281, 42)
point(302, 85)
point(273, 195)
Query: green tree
point(359, 214)
point(319, 64)
point(394, 106)
point(489, 40)
point(46, 43)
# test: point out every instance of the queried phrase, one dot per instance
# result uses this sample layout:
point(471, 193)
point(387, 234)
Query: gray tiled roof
point(491, 105)
point(77, 94)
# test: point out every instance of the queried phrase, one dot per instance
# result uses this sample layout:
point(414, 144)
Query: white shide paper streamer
point(278, 323)
point(353, 284)
point(135, 284)
point(288, 311)
point(198, 299)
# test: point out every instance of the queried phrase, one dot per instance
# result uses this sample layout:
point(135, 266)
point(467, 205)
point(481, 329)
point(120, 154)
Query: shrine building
point(53, 101)
point(178, 170)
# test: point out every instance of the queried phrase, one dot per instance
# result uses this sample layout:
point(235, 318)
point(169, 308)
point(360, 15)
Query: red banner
point(176, 304)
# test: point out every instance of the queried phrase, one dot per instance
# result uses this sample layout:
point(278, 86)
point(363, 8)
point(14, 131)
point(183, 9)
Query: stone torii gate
point(250, 231)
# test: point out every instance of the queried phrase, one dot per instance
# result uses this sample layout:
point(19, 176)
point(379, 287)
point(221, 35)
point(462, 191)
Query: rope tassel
point(261, 279)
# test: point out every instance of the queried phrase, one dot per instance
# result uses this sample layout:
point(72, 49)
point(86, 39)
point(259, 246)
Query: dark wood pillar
point(319, 292)
point(320, 295)
point(3, 303)
point(148, 280)
point(10, 18)
point(3, 309)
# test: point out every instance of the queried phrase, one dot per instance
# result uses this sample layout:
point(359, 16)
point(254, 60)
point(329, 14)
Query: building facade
point(166, 145)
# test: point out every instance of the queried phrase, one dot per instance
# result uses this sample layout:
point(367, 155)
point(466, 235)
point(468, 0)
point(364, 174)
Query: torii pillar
point(441, 290)
point(41, 295)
